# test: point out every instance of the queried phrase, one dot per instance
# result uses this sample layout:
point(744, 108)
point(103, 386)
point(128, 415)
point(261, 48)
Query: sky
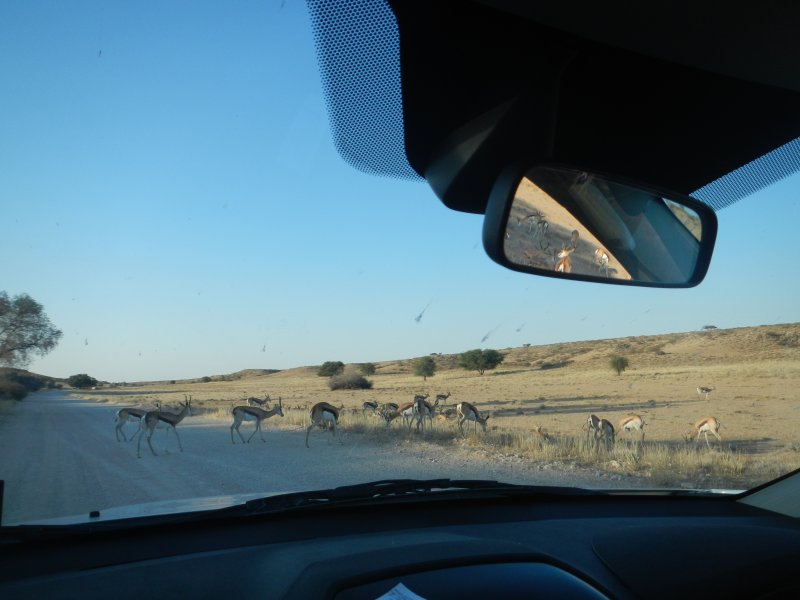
point(169, 191)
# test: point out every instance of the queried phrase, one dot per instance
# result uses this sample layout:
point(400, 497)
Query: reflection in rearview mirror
point(574, 223)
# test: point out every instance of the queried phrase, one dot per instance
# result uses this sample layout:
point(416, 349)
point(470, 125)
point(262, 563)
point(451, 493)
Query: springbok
point(704, 426)
point(467, 412)
point(370, 405)
point(564, 263)
point(545, 437)
point(407, 412)
point(592, 426)
point(442, 397)
point(606, 435)
point(252, 401)
point(253, 413)
point(323, 415)
point(423, 410)
point(704, 391)
point(130, 414)
point(152, 418)
point(632, 423)
point(388, 414)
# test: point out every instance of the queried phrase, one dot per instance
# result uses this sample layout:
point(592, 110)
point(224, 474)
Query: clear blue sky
point(170, 192)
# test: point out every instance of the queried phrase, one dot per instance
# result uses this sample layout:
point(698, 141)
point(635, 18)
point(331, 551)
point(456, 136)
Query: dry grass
point(755, 373)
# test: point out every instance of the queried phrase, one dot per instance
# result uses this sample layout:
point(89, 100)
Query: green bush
point(206, 379)
point(12, 389)
point(425, 367)
point(349, 381)
point(480, 360)
point(81, 380)
point(331, 368)
point(618, 363)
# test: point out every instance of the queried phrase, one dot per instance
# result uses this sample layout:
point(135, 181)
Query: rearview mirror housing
point(563, 221)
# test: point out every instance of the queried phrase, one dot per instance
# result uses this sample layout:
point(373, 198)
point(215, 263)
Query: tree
point(367, 368)
point(618, 363)
point(425, 367)
point(24, 330)
point(331, 368)
point(81, 381)
point(480, 360)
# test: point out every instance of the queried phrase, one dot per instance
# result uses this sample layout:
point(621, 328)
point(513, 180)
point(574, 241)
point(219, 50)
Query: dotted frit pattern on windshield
point(358, 49)
point(754, 176)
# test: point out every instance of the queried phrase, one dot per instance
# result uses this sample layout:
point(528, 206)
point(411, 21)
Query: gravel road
point(59, 456)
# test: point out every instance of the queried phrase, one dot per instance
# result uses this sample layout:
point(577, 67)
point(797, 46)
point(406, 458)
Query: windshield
point(174, 205)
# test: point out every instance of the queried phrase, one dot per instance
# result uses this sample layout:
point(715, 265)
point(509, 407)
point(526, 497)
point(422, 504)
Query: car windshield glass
point(188, 265)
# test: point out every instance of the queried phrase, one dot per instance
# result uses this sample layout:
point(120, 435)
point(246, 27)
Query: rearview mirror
point(566, 222)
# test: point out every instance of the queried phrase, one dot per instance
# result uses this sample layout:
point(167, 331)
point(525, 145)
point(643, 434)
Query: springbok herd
point(599, 432)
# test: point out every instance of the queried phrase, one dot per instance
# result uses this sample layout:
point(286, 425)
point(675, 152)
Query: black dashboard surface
point(636, 546)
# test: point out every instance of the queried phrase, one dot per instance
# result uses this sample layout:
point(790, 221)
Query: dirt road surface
point(59, 456)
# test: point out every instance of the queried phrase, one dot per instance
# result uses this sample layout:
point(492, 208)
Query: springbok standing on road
point(130, 414)
point(253, 413)
point(152, 418)
point(323, 415)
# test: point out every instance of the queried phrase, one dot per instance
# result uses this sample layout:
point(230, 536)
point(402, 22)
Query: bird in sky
point(418, 318)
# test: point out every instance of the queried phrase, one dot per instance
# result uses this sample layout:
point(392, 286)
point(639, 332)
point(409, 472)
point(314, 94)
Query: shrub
point(206, 379)
point(12, 389)
point(31, 382)
point(349, 381)
point(618, 363)
point(425, 367)
point(81, 381)
point(480, 360)
point(331, 368)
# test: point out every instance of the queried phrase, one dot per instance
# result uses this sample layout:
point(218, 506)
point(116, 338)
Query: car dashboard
point(584, 547)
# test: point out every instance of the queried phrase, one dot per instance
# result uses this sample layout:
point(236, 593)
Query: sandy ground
point(59, 456)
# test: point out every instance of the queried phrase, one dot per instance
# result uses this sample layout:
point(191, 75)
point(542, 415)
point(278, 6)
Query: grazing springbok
point(592, 426)
point(545, 437)
point(467, 412)
point(370, 405)
point(632, 423)
point(422, 409)
point(606, 435)
point(130, 414)
point(442, 397)
point(323, 415)
point(388, 414)
point(704, 427)
point(253, 413)
point(153, 417)
point(257, 402)
point(704, 391)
